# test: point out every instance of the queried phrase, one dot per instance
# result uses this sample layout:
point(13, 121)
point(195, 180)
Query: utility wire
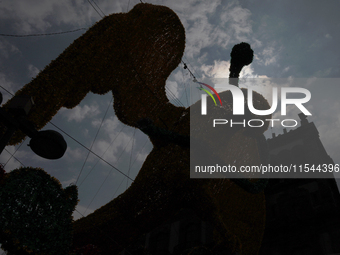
point(185, 87)
point(15, 158)
point(98, 8)
point(6, 90)
point(173, 97)
point(121, 154)
point(109, 174)
point(128, 6)
point(12, 155)
point(191, 66)
point(95, 9)
point(118, 188)
point(191, 74)
point(91, 151)
point(56, 33)
point(98, 190)
point(95, 138)
point(102, 155)
point(140, 151)
point(127, 181)
point(186, 67)
point(14, 152)
point(131, 166)
point(79, 144)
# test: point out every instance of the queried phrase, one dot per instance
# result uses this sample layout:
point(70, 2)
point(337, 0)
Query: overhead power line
point(83, 146)
point(98, 7)
point(94, 139)
point(91, 151)
point(56, 33)
point(6, 90)
point(102, 16)
point(103, 154)
point(186, 67)
point(12, 155)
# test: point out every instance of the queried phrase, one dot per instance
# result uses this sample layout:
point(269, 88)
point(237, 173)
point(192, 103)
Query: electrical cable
point(82, 146)
point(6, 90)
point(98, 190)
point(121, 154)
point(173, 97)
point(127, 181)
point(124, 126)
point(15, 152)
point(132, 138)
point(191, 66)
point(118, 188)
point(98, 8)
point(128, 6)
point(56, 33)
point(94, 139)
point(140, 151)
point(95, 9)
point(91, 151)
point(191, 74)
point(15, 158)
point(185, 87)
point(131, 166)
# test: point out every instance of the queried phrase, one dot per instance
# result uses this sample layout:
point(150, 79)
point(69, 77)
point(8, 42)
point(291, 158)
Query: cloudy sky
point(290, 39)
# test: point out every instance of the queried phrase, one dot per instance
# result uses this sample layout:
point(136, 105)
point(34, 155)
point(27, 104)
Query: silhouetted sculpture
point(35, 213)
point(132, 55)
point(241, 55)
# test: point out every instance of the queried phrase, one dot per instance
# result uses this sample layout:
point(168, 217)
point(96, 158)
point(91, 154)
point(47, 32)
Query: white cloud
point(238, 18)
point(36, 15)
point(79, 113)
point(109, 125)
point(120, 136)
point(32, 71)
point(86, 132)
point(172, 89)
point(113, 151)
point(141, 156)
point(286, 69)
point(248, 72)
point(6, 48)
point(72, 155)
point(202, 30)
point(269, 56)
point(220, 69)
point(328, 36)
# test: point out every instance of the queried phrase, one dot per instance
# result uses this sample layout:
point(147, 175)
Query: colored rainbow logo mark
point(210, 93)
